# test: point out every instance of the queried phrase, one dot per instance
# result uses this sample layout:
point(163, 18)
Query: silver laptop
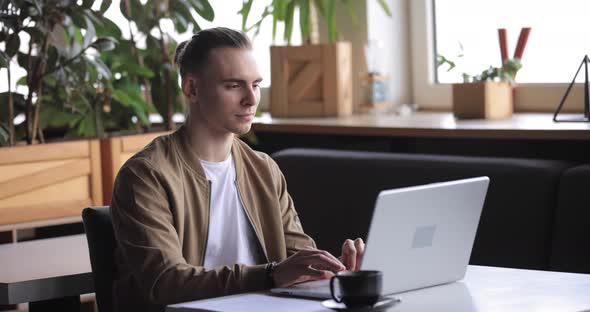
point(419, 236)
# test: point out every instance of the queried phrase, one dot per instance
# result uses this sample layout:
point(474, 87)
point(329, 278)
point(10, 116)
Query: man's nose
point(250, 97)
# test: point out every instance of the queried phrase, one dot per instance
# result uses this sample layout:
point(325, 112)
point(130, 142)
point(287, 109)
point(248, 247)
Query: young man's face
point(228, 90)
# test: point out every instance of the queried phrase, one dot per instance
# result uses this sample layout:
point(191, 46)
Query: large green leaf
point(180, 22)
point(4, 59)
point(4, 134)
point(100, 67)
point(90, 32)
point(180, 13)
point(331, 19)
point(78, 18)
point(304, 12)
point(19, 105)
point(22, 81)
point(107, 28)
point(51, 116)
point(204, 9)
point(104, 6)
point(134, 69)
point(280, 9)
point(131, 98)
point(87, 4)
point(105, 43)
point(245, 12)
point(12, 44)
point(290, 12)
point(141, 14)
point(87, 126)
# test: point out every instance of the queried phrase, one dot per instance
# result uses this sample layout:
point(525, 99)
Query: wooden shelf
point(528, 126)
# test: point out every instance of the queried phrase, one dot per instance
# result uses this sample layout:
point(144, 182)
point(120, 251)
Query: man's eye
point(256, 86)
point(233, 86)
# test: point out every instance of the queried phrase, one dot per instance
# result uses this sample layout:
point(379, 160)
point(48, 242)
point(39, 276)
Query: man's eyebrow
point(238, 80)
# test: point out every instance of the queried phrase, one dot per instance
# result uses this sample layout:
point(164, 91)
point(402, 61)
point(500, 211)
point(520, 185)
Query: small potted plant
point(487, 95)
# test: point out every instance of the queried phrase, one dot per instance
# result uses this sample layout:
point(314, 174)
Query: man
point(199, 214)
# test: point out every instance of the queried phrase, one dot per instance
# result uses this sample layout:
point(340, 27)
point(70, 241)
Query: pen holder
point(487, 100)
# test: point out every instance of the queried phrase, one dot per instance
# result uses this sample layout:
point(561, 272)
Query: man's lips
point(247, 117)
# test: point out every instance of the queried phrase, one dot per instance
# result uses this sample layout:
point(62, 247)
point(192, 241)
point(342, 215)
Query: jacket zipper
point(251, 222)
point(203, 253)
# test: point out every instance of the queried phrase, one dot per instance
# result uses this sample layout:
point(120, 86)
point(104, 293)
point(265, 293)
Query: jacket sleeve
point(151, 249)
point(295, 237)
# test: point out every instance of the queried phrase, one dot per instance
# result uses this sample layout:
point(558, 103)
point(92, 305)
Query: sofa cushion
point(335, 192)
point(571, 241)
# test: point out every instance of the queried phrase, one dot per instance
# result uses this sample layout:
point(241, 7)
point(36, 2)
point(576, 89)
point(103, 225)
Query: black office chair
point(101, 246)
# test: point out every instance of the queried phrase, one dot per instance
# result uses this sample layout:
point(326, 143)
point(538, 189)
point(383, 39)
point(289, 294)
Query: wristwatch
point(269, 270)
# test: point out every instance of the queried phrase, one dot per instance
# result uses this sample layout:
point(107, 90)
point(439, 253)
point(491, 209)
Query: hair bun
point(179, 52)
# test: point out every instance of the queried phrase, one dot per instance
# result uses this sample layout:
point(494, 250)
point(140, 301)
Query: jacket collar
point(182, 141)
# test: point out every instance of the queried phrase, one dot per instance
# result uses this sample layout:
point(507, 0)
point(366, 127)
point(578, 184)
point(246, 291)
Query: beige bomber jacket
point(160, 212)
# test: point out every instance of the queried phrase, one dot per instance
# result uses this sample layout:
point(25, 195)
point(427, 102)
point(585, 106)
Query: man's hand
point(306, 265)
point(352, 254)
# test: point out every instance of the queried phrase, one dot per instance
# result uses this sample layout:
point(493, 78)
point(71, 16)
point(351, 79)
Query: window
point(553, 53)
point(556, 46)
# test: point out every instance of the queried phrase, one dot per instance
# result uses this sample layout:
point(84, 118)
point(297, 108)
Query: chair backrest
point(101, 247)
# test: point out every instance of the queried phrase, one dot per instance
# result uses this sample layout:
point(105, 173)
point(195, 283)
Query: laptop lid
point(423, 236)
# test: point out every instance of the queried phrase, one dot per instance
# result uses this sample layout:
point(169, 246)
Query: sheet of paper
point(253, 302)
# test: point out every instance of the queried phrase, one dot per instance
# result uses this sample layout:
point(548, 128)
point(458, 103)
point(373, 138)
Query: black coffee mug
point(360, 288)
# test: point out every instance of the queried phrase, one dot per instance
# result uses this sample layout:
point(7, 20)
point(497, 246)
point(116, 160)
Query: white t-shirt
point(231, 238)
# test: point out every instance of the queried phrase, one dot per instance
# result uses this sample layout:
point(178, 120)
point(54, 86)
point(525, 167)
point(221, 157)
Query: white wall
point(394, 33)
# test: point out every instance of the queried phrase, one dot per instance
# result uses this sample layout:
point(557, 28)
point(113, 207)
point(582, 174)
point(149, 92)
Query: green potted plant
point(84, 83)
point(55, 43)
point(311, 80)
point(487, 95)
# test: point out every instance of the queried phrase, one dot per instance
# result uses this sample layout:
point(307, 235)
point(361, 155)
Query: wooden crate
point(115, 151)
point(489, 100)
point(311, 80)
point(48, 184)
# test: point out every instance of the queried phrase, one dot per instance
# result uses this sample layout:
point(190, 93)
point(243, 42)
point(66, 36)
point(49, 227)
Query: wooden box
point(48, 184)
point(115, 151)
point(489, 100)
point(311, 80)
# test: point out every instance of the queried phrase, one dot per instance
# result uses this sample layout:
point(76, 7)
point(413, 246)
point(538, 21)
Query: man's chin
point(242, 130)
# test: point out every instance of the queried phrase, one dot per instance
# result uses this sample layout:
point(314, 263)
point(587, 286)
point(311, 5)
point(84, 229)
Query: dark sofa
point(534, 216)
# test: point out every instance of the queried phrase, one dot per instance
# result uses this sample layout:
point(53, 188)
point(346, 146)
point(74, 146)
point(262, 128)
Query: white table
point(47, 273)
point(483, 289)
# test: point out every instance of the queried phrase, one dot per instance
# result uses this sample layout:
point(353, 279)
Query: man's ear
point(189, 86)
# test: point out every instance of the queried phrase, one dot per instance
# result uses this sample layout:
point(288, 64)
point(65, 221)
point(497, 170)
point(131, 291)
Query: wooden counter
point(523, 126)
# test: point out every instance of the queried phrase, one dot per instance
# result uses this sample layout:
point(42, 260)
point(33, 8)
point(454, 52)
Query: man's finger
point(331, 256)
point(349, 255)
point(315, 274)
point(320, 260)
point(360, 252)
